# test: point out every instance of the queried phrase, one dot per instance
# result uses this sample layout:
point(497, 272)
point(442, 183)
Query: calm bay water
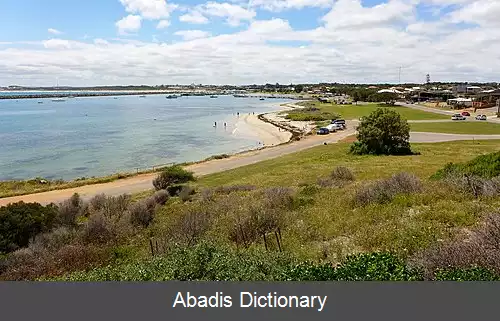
point(105, 135)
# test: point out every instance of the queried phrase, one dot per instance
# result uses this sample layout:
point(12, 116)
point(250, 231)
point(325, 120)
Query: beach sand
point(250, 126)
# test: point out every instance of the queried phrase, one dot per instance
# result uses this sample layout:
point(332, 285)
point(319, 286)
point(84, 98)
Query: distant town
point(476, 95)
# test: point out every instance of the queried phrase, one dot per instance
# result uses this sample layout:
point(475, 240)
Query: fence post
point(152, 249)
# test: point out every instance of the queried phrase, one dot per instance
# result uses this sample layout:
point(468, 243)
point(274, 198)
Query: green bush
point(383, 132)
point(173, 175)
point(21, 222)
point(485, 166)
point(375, 267)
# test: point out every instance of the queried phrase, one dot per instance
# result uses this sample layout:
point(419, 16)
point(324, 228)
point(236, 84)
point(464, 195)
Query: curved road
point(143, 182)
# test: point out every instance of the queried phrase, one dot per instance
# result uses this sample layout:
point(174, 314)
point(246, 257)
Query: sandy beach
point(266, 133)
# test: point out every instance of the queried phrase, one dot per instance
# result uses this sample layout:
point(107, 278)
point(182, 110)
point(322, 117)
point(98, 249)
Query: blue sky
point(237, 41)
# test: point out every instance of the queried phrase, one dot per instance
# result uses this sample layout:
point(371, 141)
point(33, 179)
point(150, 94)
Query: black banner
point(221, 301)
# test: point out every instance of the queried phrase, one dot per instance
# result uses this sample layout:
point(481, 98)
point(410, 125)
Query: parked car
point(323, 131)
point(465, 113)
point(481, 117)
point(340, 122)
point(458, 117)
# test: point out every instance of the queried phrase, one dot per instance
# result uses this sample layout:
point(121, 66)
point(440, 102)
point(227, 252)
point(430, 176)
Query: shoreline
point(288, 135)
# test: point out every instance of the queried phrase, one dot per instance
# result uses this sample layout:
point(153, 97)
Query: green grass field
point(357, 111)
point(473, 128)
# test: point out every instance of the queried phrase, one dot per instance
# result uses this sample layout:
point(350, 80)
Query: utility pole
point(400, 75)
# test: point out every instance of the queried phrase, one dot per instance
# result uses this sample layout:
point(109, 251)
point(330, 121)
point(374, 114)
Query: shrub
point(341, 173)
point(186, 193)
point(480, 248)
point(100, 229)
point(20, 222)
point(161, 197)
point(469, 274)
point(191, 226)
point(384, 191)
point(69, 210)
point(142, 213)
point(171, 176)
point(383, 132)
point(339, 177)
point(375, 267)
point(54, 239)
point(110, 206)
point(485, 166)
point(174, 190)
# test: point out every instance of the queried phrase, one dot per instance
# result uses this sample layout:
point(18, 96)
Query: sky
point(154, 42)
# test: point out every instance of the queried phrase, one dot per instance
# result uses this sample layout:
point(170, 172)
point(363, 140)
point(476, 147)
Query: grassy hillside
point(300, 205)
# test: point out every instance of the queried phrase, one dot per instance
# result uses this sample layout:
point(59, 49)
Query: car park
point(481, 117)
point(458, 117)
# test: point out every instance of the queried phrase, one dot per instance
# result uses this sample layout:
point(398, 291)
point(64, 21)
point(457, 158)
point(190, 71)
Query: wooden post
point(277, 240)
point(157, 250)
point(265, 241)
point(151, 246)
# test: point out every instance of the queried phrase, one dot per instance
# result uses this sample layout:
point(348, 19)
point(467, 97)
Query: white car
point(481, 117)
point(458, 117)
point(334, 127)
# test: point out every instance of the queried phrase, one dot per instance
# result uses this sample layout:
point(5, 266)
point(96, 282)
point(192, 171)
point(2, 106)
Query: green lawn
point(473, 128)
point(357, 111)
point(306, 166)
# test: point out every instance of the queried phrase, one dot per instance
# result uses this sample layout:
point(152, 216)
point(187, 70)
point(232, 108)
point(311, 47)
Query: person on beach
point(215, 124)
point(224, 125)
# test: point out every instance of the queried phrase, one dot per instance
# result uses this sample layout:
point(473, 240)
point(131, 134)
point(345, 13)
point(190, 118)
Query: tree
point(356, 96)
point(299, 88)
point(20, 222)
point(172, 176)
point(383, 132)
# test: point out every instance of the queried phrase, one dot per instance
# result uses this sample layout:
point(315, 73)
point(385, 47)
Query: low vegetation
point(311, 114)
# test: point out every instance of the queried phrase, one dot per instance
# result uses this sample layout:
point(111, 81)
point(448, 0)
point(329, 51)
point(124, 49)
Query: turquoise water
point(104, 135)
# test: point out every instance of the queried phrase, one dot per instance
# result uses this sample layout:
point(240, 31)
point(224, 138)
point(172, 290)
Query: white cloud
point(163, 24)
point(128, 24)
point(233, 14)
point(149, 9)
point(100, 42)
point(194, 17)
point(192, 34)
point(54, 31)
point(57, 44)
point(482, 12)
point(280, 5)
point(353, 43)
point(351, 14)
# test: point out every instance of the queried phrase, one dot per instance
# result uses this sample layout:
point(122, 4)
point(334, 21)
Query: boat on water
point(142, 96)
point(262, 99)
point(59, 99)
point(213, 96)
point(40, 102)
point(239, 96)
point(171, 97)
